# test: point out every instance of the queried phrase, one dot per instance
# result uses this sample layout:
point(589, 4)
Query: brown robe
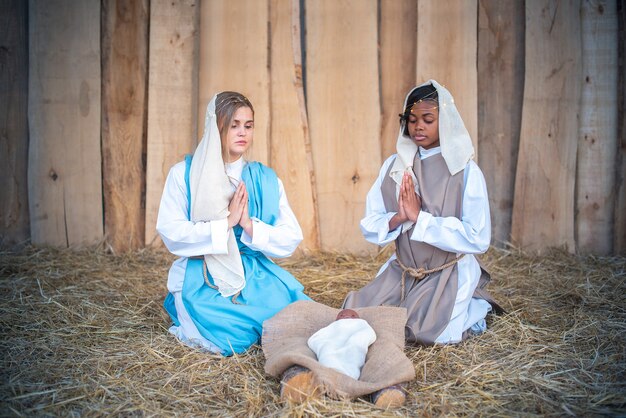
point(429, 302)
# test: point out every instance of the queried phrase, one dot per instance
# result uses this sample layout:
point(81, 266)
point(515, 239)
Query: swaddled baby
point(343, 344)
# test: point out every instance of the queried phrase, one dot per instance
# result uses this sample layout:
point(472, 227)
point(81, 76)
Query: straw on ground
point(83, 333)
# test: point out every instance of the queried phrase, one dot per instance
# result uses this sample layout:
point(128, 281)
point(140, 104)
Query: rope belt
point(205, 270)
point(420, 273)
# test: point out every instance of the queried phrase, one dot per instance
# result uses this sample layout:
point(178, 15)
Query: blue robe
point(234, 327)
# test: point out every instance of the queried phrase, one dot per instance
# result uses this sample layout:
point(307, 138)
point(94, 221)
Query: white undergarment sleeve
point(375, 224)
point(278, 240)
point(180, 235)
point(469, 235)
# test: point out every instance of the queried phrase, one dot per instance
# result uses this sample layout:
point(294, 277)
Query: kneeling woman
point(431, 199)
point(224, 220)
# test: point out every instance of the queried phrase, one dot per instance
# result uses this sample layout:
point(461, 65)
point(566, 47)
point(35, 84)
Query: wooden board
point(344, 114)
point(500, 93)
point(597, 143)
point(543, 207)
point(124, 87)
point(64, 166)
point(290, 145)
point(446, 52)
point(398, 49)
point(14, 221)
point(234, 56)
point(619, 239)
point(172, 97)
point(397, 59)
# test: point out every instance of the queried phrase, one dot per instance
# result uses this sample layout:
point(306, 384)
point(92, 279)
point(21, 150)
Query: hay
point(83, 333)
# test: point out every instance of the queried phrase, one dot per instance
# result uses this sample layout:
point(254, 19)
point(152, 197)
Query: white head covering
point(211, 192)
point(456, 144)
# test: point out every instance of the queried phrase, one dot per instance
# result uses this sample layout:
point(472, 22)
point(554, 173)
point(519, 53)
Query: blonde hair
point(226, 105)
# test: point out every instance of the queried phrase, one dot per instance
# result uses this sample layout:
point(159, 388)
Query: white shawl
point(456, 145)
point(211, 192)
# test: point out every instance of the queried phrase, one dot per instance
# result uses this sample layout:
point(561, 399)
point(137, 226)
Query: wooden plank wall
point(64, 166)
point(543, 207)
point(172, 96)
point(290, 144)
point(124, 77)
point(14, 220)
point(539, 88)
point(234, 56)
point(619, 238)
point(446, 52)
point(342, 87)
point(397, 60)
point(595, 177)
point(500, 98)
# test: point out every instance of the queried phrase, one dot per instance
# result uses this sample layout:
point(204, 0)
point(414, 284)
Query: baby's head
point(347, 314)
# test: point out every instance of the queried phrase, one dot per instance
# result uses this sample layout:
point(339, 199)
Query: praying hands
point(409, 203)
point(238, 209)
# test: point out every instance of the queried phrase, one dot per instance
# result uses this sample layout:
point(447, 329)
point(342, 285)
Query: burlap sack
point(285, 338)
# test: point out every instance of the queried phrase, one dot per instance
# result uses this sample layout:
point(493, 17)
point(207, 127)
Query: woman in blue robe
point(224, 217)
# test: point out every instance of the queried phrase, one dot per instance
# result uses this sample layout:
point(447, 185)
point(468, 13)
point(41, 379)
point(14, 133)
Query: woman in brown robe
point(431, 199)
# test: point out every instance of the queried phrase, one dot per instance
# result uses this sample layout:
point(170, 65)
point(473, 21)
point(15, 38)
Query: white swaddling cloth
point(343, 345)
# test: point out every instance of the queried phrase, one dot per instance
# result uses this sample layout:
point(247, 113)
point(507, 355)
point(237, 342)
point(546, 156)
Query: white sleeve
point(375, 224)
point(469, 235)
point(278, 240)
point(181, 236)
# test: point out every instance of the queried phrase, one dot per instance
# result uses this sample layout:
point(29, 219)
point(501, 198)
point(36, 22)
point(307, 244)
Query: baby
point(343, 344)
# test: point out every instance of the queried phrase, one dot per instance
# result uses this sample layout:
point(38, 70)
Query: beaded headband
point(429, 97)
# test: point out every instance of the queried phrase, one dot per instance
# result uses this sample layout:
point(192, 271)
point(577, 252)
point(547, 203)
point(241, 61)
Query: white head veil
point(211, 192)
point(456, 144)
